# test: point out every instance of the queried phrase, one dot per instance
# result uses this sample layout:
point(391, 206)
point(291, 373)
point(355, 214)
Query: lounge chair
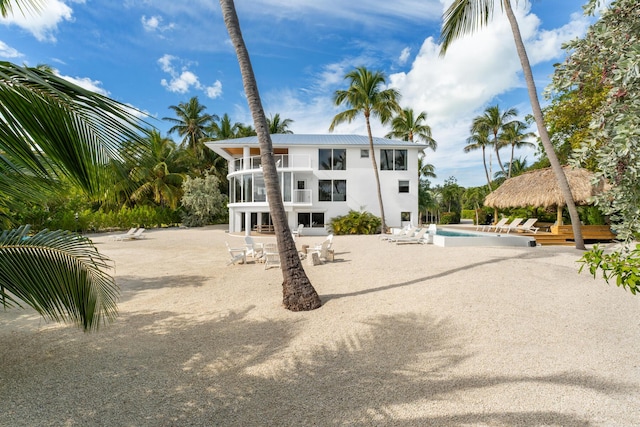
point(236, 255)
point(135, 236)
point(418, 238)
point(528, 227)
point(254, 250)
point(403, 232)
point(496, 226)
point(271, 255)
point(512, 226)
point(410, 234)
point(129, 233)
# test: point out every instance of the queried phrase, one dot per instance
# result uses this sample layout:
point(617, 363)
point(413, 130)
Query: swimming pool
point(450, 237)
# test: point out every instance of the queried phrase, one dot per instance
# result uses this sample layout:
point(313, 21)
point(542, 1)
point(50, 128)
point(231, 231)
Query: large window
point(332, 159)
point(311, 219)
point(393, 160)
point(332, 190)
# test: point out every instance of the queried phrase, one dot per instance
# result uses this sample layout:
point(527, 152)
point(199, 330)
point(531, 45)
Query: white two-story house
point(321, 177)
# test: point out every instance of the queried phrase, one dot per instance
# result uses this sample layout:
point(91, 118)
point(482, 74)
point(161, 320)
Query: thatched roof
point(539, 188)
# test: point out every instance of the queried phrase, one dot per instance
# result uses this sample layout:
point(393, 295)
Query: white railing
point(300, 161)
point(302, 197)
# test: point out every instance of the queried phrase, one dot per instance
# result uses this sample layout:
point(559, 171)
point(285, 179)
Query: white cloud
point(86, 83)
point(7, 51)
point(44, 24)
point(404, 55)
point(154, 24)
point(185, 80)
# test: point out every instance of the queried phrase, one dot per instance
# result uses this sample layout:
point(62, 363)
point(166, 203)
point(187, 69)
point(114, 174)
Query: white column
point(247, 223)
point(246, 155)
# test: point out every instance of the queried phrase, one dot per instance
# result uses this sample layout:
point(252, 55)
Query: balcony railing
point(289, 161)
point(297, 197)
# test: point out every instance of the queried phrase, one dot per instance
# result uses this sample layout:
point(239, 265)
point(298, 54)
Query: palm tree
point(516, 167)
point(223, 129)
point(191, 124)
point(407, 127)
point(365, 95)
point(51, 129)
point(464, 17)
point(298, 293)
point(425, 170)
point(157, 172)
point(479, 139)
point(513, 134)
point(494, 121)
point(276, 125)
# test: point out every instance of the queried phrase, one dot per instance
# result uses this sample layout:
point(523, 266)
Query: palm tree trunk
point(486, 171)
point(375, 171)
point(496, 145)
point(542, 129)
point(298, 293)
point(513, 147)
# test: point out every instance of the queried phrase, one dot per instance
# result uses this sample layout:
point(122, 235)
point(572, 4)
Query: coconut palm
point(366, 96)
point(407, 127)
point(516, 167)
point(465, 17)
point(191, 124)
point(277, 125)
point(514, 134)
point(157, 173)
point(479, 140)
point(298, 293)
point(425, 170)
point(494, 121)
point(223, 128)
point(51, 129)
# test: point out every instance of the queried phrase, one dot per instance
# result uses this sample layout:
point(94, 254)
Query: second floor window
point(393, 160)
point(332, 190)
point(332, 159)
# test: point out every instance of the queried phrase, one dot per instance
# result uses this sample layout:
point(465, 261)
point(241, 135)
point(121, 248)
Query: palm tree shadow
point(167, 369)
point(132, 285)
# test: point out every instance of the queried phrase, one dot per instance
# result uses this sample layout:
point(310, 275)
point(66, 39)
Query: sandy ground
point(413, 335)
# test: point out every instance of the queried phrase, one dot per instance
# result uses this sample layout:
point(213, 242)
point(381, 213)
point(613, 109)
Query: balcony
point(294, 198)
point(283, 161)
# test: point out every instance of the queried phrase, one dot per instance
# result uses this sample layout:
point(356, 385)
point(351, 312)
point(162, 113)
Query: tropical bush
point(450, 218)
point(355, 223)
point(202, 201)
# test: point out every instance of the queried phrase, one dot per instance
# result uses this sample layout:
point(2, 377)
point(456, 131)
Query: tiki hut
point(539, 188)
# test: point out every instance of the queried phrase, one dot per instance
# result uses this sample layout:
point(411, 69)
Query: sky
point(152, 54)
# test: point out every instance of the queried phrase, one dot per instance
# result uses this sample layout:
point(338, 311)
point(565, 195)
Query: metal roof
point(315, 140)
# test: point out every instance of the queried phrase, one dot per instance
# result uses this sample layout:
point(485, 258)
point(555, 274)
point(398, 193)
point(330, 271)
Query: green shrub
point(450, 218)
point(468, 214)
point(355, 223)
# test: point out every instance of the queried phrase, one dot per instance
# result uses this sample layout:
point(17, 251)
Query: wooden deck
point(563, 235)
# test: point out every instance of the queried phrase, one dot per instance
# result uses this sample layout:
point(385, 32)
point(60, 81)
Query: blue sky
point(155, 53)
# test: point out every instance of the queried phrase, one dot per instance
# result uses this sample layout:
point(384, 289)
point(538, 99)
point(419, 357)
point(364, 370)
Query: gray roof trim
point(317, 140)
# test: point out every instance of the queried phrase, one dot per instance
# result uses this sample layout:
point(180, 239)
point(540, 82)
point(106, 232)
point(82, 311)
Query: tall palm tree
point(157, 173)
point(466, 16)
point(366, 96)
point(277, 125)
point(494, 121)
point(298, 293)
point(516, 167)
point(514, 134)
point(52, 129)
point(425, 170)
point(407, 127)
point(191, 124)
point(479, 139)
point(223, 128)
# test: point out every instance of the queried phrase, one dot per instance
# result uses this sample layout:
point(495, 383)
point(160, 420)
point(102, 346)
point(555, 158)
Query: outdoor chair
point(298, 231)
point(129, 233)
point(418, 238)
point(496, 226)
point(254, 250)
point(271, 255)
point(236, 255)
point(528, 227)
point(512, 226)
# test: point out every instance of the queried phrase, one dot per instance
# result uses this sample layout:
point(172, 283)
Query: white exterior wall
point(361, 189)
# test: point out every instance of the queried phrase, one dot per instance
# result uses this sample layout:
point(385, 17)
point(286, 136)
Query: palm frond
point(464, 17)
point(59, 274)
